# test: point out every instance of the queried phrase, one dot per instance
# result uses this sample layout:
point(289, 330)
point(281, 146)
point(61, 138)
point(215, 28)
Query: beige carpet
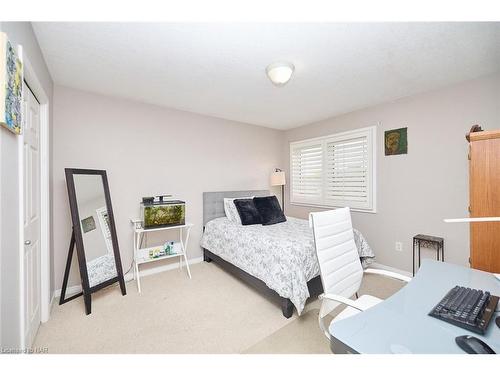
point(303, 336)
point(212, 313)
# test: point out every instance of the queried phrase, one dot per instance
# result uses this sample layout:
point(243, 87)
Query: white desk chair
point(340, 268)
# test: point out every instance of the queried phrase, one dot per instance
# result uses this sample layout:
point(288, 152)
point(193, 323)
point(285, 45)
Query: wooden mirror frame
point(77, 239)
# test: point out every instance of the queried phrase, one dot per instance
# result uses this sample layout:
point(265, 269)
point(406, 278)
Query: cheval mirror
point(93, 234)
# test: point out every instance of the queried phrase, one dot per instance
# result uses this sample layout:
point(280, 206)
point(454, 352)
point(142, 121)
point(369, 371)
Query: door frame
point(45, 295)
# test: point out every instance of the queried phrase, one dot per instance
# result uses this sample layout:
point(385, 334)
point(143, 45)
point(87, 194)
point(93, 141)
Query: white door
point(31, 216)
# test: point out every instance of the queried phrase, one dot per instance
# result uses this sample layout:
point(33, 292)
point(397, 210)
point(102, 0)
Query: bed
point(279, 260)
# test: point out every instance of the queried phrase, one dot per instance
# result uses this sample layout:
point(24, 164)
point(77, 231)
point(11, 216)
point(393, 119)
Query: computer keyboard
point(468, 308)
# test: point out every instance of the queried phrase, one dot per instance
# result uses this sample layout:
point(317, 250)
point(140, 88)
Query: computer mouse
point(497, 321)
point(473, 345)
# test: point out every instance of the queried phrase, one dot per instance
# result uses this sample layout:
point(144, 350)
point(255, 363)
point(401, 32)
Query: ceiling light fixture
point(280, 72)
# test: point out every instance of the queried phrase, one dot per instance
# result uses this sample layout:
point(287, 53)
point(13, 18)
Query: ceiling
point(218, 69)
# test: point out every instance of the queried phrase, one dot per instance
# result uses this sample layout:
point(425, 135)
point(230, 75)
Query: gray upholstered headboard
point(213, 201)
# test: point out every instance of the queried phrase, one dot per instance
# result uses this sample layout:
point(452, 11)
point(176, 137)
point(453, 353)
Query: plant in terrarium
point(164, 215)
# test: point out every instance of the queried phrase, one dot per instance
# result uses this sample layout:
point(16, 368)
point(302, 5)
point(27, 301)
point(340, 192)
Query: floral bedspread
point(281, 255)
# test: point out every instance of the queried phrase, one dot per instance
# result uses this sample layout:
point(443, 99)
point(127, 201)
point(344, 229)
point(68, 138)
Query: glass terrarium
point(163, 213)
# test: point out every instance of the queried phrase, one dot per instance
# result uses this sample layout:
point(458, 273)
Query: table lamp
point(278, 179)
point(475, 220)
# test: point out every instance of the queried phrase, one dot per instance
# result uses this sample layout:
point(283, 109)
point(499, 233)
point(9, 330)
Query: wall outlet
point(399, 246)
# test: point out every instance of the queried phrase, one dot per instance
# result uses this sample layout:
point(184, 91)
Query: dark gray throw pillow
point(247, 211)
point(269, 210)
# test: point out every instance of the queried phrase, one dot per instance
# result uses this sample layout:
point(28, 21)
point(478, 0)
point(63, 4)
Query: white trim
point(373, 169)
point(341, 134)
point(45, 292)
point(45, 212)
point(20, 179)
point(52, 298)
point(329, 207)
point(70, 290)
point(20, 156)
point(130, 276)
point(389, 268)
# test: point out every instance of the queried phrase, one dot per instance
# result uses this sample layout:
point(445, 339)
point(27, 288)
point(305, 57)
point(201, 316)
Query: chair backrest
point(339, 264)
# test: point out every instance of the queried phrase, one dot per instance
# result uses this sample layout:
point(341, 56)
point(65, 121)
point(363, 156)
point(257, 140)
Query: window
point(335, 171)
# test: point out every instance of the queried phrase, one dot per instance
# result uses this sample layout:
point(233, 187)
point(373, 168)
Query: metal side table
point(423, 240)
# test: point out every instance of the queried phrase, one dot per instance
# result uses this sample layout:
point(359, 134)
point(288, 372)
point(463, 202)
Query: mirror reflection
point(95, 228)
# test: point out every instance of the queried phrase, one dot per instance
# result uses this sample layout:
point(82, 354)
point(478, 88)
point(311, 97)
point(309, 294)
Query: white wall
point(417, 190)
point(18, 33)
point(150, 150)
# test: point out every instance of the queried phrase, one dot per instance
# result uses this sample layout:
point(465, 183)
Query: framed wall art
point(88, 224)
point(11, 86)
point(396, 141)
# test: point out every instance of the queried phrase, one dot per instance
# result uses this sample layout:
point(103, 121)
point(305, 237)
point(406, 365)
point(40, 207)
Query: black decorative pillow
point(247, 211)
point(269, 210)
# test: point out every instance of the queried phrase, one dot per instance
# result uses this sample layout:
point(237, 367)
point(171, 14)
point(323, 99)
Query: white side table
point(141, 255)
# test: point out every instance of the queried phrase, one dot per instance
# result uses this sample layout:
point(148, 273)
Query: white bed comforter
point(281, 255)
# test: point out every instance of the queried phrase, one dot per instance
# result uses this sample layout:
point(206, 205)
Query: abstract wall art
point(11, 86)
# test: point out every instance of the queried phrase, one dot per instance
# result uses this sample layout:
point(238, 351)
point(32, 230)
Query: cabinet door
point(485, 201)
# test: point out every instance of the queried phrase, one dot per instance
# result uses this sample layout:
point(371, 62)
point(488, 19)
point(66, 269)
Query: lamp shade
point(278, 178)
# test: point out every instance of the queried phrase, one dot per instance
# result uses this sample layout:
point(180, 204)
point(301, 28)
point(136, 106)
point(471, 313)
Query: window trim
point(372, 133)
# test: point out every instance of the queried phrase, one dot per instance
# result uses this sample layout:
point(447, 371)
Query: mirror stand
point(86, 291)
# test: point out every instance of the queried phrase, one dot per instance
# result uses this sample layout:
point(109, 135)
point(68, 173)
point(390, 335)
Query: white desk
point(141, 255)
point(400, 324)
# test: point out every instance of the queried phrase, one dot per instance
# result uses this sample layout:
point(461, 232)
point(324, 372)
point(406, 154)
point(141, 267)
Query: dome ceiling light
point(280, 72)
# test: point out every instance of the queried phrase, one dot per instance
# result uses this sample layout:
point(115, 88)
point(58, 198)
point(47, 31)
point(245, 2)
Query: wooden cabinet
point(484, 192)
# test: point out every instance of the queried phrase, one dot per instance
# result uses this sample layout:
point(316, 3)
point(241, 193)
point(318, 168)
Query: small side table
point(423, 240)
point(141, 255)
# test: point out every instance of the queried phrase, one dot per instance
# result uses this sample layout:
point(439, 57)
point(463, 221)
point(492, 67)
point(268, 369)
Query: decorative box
point(163, 213)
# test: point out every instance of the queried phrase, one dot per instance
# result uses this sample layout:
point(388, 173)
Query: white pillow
point(231, 210)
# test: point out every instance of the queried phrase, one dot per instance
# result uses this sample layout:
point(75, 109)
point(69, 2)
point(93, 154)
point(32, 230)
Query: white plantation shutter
point(307, 172)
point(335, 171)
point(347, 172)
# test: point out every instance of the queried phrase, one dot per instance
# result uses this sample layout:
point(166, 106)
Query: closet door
point(484, 178)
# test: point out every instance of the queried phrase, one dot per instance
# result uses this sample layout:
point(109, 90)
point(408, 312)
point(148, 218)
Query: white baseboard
point(52, 301)
point(392, 269)
point(130, 276)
